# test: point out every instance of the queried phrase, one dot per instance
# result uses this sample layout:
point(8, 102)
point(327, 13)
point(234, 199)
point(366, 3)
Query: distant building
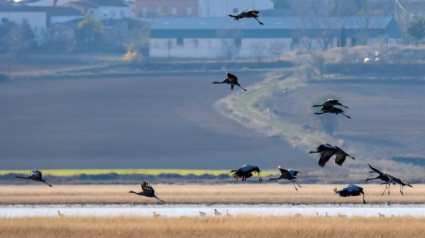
point(44, 3)
point(222, 8)
point(223, 37)
point(102, 9)
point(166, 8)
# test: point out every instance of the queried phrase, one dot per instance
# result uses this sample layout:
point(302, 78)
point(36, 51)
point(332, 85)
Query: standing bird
point(60, 214)
point(148, 191)
point(202, 214)
point(232, 80)
point(35, 176)
point(247, 14)
point(402, 183)
point(332, 110)
point(351, 190)
point(245, 172)
point(288, 175)
point(330, 103)
point(327, 151)
point(382, 176)
point(217, 213)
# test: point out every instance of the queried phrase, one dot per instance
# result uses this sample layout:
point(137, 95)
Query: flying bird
point(351, 191)
point(330, 103)
point(332, 110)
point(247, 14)
point(288, 175)
point(386, 178)
point(148, 191)
point(232, 80)
point(402, 183)
point(326, 151)
point(245, 172)
point(35, 175)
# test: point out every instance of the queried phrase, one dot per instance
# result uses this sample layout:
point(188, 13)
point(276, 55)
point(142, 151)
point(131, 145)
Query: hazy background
point(128, 84)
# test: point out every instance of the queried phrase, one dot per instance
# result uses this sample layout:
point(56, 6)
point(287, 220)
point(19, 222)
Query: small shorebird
point(217, 213)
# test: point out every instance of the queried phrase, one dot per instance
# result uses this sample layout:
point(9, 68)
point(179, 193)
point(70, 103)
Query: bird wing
point(294, 172)
point(336, 147)
point(325, 156)
point(36, 173)
point(339, 159)
point(284, 172)
point(147, 188)
point(352, 188)
point(375, 170)
point(252, 11)
point(247, 168)
point(231, 77)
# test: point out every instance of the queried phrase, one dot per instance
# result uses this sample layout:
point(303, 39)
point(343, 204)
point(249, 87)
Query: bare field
point(204, 194)
point(269, 226)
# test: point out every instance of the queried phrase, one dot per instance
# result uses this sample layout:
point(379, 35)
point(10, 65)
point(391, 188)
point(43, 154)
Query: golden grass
point(234, 227)
point(270, 193)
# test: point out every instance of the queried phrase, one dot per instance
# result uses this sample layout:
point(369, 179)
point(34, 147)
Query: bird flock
point(245, 172)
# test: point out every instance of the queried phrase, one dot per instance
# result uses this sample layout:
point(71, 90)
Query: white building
point(111, 9)
point(222, 8)
point(226, 38)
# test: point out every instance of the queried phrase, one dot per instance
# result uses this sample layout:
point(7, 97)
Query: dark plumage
point(147, 191)
point(245, 172)
point(330, 103)
point(232, 80)
point(247, 14)
point(332, 110)
point(326, 151)
point(35, 176)
point(386, 178)
point(402, 183)
point(288, 175)
point(351, 191)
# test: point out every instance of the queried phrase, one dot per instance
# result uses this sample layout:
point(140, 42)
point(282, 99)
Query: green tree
point(281, 4)
point(90, 30)
point(16, 38)
point(416, 29)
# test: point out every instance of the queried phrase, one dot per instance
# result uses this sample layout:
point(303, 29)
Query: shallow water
point(193, 210)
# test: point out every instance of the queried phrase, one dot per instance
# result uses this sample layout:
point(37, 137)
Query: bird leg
point(386, 187)
point(242, 88)
point(159, 199)
point(319, 113)
point(295, 186)
point(346, 115)
point(256, 18)
point(401, 190)
point(316, 105)
point(364, 202)
point(297, 183)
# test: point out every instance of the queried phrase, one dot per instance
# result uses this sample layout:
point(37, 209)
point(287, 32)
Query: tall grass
point(270, 193)
point(234, 227)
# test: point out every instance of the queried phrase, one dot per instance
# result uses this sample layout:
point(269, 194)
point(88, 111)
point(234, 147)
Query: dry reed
point(85, 227)
point(203, 194)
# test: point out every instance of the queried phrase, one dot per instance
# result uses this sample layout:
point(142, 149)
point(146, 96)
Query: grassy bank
point(268, 193)
point(83, 227)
